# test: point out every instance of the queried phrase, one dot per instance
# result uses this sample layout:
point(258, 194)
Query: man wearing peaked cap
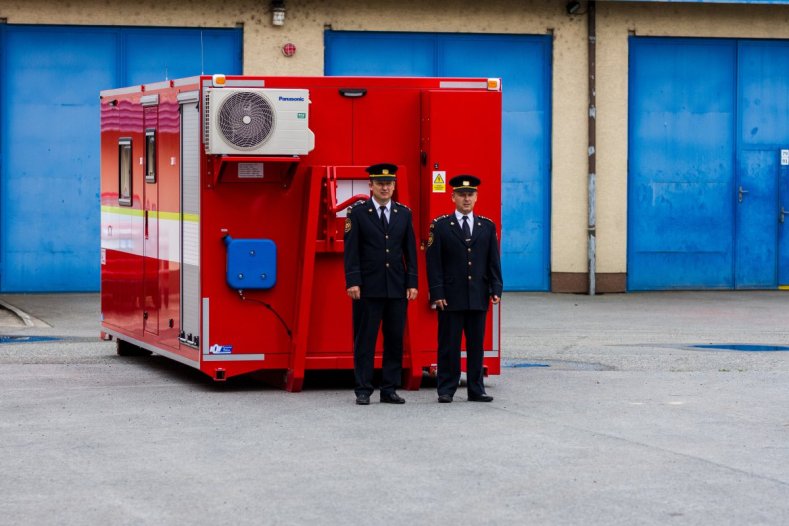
point(380, 278)
point(382, 172)
point(464, 275)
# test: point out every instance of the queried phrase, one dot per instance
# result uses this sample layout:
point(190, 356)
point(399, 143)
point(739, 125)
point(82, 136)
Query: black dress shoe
point(391, 398)
point(362, 399)
point(444, 399)
point(480, 398)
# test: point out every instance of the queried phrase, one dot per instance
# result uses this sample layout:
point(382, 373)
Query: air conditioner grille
point(245, 120)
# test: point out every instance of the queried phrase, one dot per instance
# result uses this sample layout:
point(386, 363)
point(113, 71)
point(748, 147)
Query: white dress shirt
point(387, 210)
point(470, 216)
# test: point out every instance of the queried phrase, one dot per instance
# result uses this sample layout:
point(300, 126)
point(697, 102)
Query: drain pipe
point(592, 151)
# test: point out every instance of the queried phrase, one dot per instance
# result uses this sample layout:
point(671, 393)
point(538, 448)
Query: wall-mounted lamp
point(278, 12)
point(573, 7)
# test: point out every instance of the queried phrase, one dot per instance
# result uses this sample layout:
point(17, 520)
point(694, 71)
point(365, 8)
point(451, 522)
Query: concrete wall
point(306, 21)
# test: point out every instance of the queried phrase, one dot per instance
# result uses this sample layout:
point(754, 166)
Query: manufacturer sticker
point(301, 115)
point(784, 157)
point(250, 170)
point(220, 349)
point(439, 181)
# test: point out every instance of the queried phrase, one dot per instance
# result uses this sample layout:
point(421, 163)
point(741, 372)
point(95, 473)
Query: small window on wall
point(125, 172)
point(150, 155)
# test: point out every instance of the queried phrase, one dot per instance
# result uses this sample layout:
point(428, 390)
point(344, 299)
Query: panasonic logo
point(291, 99)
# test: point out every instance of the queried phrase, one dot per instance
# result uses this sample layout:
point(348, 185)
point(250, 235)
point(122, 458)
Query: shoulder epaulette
point(439, 218)
point(485, 218)
point(401, 204)
point(354, 205)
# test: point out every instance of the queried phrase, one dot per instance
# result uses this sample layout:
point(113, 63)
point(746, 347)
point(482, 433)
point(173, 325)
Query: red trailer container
point(223, 202)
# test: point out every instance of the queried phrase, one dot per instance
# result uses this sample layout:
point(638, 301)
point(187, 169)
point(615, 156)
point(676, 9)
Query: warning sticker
point(784, 157)
point(439, 181)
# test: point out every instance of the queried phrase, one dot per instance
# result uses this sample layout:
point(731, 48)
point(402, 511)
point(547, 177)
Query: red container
point(225, 252)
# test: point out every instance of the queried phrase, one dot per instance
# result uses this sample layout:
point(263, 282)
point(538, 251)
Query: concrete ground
point(607, 413)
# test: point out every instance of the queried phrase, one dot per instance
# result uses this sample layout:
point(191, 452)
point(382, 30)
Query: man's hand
point(410, 294)
point(440, 304)
point(495, 299)
point(354, 292)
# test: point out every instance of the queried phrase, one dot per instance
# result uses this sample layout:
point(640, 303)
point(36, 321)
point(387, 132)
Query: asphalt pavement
point(649, 408)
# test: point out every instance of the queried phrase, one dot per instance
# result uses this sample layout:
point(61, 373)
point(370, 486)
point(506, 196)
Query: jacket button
point(387, 237)
point(469, 278)
point(387, 250)
point(469, 250)
point(387, 264)
point(469, 263)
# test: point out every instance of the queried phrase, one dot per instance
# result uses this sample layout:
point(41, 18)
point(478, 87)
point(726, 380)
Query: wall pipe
point(592, 146)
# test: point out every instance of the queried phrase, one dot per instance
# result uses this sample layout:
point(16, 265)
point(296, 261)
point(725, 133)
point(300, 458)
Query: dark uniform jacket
point(464, 274)
point(382, 263)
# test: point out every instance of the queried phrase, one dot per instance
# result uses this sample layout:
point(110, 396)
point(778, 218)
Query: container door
point(151, 262)
point(190, 223)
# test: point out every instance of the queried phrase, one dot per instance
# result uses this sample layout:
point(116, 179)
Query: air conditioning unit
point(245, 121)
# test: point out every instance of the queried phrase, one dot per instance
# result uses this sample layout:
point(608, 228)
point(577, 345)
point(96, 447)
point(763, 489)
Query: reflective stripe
point(234, 357)
point(205, 328)
point(486, 354)
point(496, 331)
point(462, 84)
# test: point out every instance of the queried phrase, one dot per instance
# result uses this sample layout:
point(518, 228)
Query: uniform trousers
point(370, 314)
point(451, 327)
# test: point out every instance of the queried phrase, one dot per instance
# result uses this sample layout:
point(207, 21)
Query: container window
point(150, 155)
point(125, 172)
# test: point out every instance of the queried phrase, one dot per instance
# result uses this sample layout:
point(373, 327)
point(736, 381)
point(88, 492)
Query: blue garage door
point(50, 80)
point(706, 187)
point(524, 64)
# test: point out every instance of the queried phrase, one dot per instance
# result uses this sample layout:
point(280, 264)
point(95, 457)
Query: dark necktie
point(384, 222)
point(466, 228)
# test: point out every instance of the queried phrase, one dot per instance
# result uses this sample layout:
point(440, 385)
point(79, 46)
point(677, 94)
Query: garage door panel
point(49, 142)
point(484, 56)
point(382, 55)
point(681, 217)
point(680, 271)
point(153, 55)
point(523, 148)
point(681, 163)
point(50, 167)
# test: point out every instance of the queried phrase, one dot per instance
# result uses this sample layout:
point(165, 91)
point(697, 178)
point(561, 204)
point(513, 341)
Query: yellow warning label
point(439, 182)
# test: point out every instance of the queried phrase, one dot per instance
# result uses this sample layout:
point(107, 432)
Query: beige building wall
point(306, 21)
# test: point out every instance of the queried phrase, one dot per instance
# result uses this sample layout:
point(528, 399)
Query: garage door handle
point(740, 192)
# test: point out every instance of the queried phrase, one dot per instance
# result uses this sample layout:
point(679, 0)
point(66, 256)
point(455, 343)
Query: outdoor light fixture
point(573, 7)
point(278, 12)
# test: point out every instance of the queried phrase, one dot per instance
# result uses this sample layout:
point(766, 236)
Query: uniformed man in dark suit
point(464, 274)
point(380, 277)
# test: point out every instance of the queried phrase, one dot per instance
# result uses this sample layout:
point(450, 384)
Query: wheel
point(128, 349)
